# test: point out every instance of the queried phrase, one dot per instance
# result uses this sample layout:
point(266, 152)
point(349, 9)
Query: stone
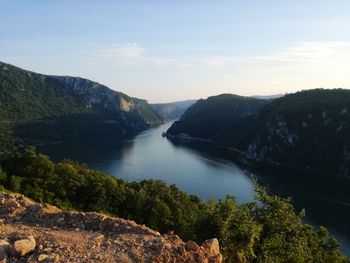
point(191, 246)
point(5, 245)
point(11, 205)
point(24, 246)
point(167, 245)
point(3, 254)
point(123, 258)
point(212, 245)
point(56, 258)
point(182, 251)
point(99, 237)
point(42, 257)
point(48, 249)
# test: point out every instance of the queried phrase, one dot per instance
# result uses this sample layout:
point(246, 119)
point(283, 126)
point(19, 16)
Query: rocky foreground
point(31, 232)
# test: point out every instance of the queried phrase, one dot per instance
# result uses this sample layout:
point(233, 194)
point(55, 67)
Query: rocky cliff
point(31, 232)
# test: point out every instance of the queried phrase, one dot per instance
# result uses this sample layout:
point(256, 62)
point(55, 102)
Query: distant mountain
point(309, 130)
point(206, 118)
point(306, 134)
point(36, 108)
point(268, 97)
point(172, 110)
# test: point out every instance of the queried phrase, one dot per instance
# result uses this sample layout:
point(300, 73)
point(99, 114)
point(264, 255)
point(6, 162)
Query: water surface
point(149, 156)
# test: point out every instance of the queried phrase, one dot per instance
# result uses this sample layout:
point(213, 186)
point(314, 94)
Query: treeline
point(265, 230)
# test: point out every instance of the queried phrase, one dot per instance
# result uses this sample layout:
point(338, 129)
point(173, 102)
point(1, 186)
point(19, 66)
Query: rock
point(42, 257)
point(56, 257)
point(217, 259)
point(60, 220)
point(212, 245)
point(5, 245)
point(24, 246)
point(3, 254)
point(167, 245)
point(182, 251)
point(191, 246)
point(79, 238)
point(122, 258)
point(11, 205)
point(99, 237)
point(48, 249)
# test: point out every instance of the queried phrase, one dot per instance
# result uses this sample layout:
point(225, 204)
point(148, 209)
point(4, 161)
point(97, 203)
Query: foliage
point(266, 230)
point(36, 108)
point(206, 118)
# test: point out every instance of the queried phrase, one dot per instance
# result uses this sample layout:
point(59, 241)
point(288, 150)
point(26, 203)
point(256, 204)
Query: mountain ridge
point(293, 134)
point(213, 113)
point(172, 110)
point(37, 108)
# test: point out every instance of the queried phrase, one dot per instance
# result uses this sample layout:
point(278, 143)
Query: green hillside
point(206, 118)
point(36, 108)
point(305, 135)
point(308, 130)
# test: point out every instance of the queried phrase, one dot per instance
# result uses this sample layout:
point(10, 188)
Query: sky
point(170, 50)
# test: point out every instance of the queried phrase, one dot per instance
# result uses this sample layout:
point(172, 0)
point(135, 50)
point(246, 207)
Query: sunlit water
point(149, 156)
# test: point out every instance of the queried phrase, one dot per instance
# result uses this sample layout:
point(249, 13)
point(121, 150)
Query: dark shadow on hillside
point(93, 128)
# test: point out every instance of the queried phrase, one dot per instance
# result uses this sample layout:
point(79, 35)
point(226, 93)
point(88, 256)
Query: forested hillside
point(206, 118)
point(306, 134)
point(36, 108)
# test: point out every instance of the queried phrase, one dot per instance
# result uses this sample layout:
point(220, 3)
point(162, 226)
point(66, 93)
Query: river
point(150, 156)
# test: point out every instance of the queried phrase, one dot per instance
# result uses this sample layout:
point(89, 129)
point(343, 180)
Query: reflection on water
point(149, 156)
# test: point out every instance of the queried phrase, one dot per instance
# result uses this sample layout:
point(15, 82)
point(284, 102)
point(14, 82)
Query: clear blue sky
point(165, 50)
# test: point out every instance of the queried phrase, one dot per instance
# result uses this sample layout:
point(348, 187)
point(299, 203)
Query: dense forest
point(206, 117)
point(36, 108)
point(304, 136)
point(265, 230)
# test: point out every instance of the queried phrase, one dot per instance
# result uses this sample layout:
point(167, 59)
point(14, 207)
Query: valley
point(271, 139)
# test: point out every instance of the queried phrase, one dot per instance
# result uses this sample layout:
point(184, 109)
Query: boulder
point(212, 245)
point(5, 245)
point(3, 254)
point(24, 246)
point(42, 257)
point(191, 246)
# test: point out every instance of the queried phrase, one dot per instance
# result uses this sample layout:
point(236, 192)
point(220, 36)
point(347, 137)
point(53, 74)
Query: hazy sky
point(166, 50)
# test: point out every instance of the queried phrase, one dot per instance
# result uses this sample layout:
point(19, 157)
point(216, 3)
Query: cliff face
point(30, 232)
point(95, 93)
